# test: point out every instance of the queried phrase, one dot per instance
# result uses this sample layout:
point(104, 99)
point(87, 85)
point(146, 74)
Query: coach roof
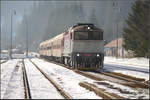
point(57, 37)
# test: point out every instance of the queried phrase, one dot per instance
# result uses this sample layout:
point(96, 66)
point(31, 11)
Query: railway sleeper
point(136, 85)
point(99, 91)
point(130, 82)
point(127, 76)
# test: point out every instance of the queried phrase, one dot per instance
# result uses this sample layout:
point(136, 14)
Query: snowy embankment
point(67, 79)
point(137, 67)
point(11, 81)
point(40, 87)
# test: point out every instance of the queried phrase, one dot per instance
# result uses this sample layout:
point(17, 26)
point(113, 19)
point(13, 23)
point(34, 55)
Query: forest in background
point(46, 19)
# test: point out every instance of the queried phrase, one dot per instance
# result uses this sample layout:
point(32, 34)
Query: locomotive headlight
point(88, 28)
point(71, 30)
point(97, 55)
point(78, 54)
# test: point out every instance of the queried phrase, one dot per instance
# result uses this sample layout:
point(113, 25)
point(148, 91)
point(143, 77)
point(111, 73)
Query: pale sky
point(7, 7)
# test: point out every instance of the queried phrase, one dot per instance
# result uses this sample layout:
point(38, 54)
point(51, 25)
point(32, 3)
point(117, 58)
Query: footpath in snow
point(11, 81)
point(40, 87)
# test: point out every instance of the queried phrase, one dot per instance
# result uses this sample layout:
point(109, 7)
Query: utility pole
point(115, 4)
point(117, 40)
point(26, 22)
point(14, 12)
point(118, 10)
point(149, 33)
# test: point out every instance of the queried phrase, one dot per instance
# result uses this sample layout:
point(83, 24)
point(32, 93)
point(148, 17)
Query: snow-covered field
point(40, 87)
point(137, 67)
point(135, 62)
point(11, 81)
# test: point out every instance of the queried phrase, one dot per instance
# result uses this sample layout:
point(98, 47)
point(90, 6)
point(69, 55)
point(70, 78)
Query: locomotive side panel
point(67, 45)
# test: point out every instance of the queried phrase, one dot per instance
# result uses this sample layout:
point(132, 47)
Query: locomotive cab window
point(81, 36)
point(88, 35)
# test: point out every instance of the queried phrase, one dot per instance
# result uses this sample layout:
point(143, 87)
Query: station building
point(115, 49)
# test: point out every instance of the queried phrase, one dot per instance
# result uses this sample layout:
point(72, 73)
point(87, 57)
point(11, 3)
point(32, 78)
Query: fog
point(43, 20)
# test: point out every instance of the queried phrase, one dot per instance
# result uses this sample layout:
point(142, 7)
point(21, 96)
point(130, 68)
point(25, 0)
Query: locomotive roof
point(44, 42)
point(79, 26)
point(85, 27)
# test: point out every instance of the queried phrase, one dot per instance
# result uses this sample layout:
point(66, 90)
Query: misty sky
point(49, 18)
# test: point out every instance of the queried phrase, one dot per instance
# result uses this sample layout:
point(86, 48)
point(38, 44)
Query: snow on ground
point(135, 62)
point(40, 87)
point(67, 79)
point(112, 87)
point(18, 56)
point(137, 67)
point(11, 81)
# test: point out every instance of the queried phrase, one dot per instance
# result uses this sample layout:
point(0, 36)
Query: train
point(80, 47)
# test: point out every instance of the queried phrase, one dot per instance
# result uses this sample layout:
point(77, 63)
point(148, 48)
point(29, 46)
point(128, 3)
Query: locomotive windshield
point(88, 35)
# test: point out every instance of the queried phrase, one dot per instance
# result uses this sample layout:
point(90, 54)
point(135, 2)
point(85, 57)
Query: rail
point(62, 92)
point(26, 83)
point(128, 82)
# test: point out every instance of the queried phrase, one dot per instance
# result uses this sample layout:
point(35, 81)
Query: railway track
point(124, 77)
point(98, 91)
point(59, 89)
point(127, 76)
point(110, 77)
point(26, 82)
point(131, 82)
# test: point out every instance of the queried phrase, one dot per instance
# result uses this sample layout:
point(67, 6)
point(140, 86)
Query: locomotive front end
point(87, 47)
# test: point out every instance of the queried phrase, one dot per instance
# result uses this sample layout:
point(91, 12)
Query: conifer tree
point(136, 34)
